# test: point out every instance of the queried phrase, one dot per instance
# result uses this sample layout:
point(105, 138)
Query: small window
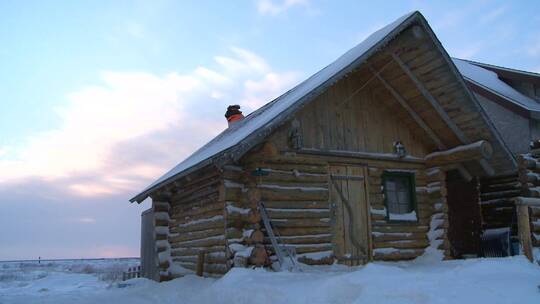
point(400, 196)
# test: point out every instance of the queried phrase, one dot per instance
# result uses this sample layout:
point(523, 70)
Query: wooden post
point(200, 263)
point(524, 229)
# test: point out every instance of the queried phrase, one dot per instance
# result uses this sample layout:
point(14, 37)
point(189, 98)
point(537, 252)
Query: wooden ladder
point(280, 253)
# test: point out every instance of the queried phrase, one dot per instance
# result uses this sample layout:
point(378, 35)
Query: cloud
point(273, 8)
point(116, 137)
point(85, 220)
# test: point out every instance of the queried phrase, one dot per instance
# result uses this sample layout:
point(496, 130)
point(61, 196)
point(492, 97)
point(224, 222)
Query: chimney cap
point(232, 110)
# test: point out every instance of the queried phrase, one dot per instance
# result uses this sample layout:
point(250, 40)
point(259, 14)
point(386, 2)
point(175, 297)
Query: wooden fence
point(132, 273)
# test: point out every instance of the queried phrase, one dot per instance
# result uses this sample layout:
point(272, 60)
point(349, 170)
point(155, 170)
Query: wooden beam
point(487, 167)
point(442, 113)
point(528, 201)
point(360, 154)
point(418, 120)
point(475, 151)
point(364, 84)
point(409, 110)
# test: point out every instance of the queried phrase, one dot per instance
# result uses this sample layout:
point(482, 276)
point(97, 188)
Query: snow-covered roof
point(505, 69)
point(490, 81)
point(268, 113)
point(233, 142)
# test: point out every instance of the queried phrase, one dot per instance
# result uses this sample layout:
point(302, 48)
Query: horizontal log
point(528, 163)
point(305, 239)
point(299, 231)
point(293, 193)
point(384, 157)
point(210, 258)
point(301, 168)
point(161, 206)
point(308, 248)
point(307, 223)
point(239, 218)
point(198, 226)
point(188, 236)
point(186, 194)
point(405, 254)
point(207, 242)
point(499, 178)
point(315, 204)
point(327, 260)
point(291, 176)
point(195, 250)
point(196, 209)
point(208, 194)
point(200, 202)
point(297, 213)
point(384, 228)
point(528, 201)
point(529, 177)
point(500, 194)
point(497, 202)
point(475, 151)
point(398, 236)
point(234, 173)
point(402, 244)
point(178, 219)
point(500, 187)
point(535, 211)
point(208, 268)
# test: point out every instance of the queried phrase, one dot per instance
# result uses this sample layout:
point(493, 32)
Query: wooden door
point(348, 199)
point(463, 215)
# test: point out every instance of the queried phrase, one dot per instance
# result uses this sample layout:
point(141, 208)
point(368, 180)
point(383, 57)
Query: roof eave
point(145, 194)
point(469, 93)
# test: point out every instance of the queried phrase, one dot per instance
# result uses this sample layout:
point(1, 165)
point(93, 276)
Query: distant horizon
point(100, 99)
point(68, 259)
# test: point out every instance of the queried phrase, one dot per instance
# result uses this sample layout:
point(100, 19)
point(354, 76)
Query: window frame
point(410, 176)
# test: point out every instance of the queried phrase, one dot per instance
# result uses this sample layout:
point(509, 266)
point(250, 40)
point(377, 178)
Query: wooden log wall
point(497, 206)
point(529, 176)
point(161, 233)
point(439, 224)
point(295, 195)
point(295, 191)
point(399, 240)
point(197, 224)
point(244, 238)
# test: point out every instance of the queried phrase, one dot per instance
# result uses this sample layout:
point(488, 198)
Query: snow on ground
point(496, 280)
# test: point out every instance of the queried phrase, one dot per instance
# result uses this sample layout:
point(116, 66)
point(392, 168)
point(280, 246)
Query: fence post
point(524, 229)
point(200, 263)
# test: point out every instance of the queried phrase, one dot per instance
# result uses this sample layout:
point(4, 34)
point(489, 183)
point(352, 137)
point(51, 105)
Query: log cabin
point(386, 152)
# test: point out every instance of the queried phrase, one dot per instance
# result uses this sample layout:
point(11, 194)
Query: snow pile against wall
point(497, 280)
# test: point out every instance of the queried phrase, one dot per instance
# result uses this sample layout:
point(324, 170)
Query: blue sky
point(98, 98)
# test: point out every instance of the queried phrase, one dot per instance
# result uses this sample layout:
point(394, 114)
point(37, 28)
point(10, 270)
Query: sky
point(100, 98)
